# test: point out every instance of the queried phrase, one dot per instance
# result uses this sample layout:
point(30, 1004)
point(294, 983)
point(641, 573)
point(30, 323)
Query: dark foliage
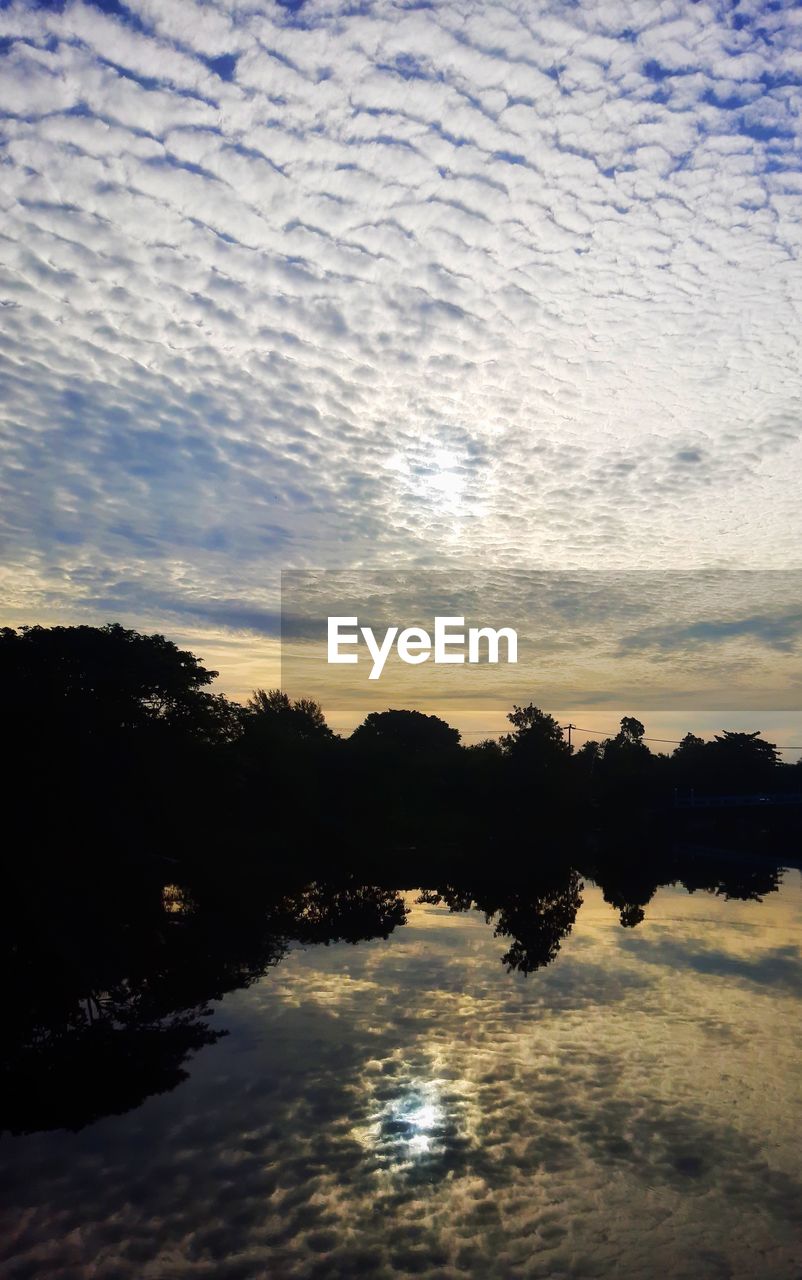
point(119, 751)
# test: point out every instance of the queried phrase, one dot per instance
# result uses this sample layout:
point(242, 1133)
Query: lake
point(421, 1105)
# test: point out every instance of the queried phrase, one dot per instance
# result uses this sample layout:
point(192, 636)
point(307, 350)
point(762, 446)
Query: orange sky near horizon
point(246, 662)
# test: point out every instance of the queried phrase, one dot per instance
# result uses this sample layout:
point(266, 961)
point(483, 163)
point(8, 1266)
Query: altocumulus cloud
point(321, 284)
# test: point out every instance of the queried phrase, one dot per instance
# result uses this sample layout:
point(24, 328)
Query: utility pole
point(567, 728)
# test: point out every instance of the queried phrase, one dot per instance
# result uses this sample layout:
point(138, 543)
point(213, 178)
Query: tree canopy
point(122, 738)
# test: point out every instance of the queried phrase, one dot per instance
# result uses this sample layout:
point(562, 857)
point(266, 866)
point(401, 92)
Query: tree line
point(117, 741)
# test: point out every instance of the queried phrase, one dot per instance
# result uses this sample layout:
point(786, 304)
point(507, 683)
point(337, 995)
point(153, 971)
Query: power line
point(604, 733)
point(675, 742)
point(611, 733)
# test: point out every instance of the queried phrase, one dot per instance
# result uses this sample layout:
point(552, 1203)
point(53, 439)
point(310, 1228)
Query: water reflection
point(536, 916)
point(624, 1103)
point(113, 982)
point(408, 1126)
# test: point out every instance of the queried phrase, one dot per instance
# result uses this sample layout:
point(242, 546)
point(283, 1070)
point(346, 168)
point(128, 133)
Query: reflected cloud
point(776, 968)
point(406, 1107)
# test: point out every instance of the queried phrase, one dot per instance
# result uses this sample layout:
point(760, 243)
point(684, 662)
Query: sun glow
point(407, 1127)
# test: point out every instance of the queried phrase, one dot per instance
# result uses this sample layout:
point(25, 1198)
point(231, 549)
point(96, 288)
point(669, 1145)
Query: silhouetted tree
point(407, 767)
point(687, 761)
point(481, 784)
point(272, 715)
point(627, 769)
point(742, 761)
point(585, 769)
point(537, 738)
point(631, 733)
point(406, 732)
point(538, 759)
point(99, 681)
point(114, 735)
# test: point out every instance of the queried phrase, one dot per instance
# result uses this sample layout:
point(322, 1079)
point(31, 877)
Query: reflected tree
point(629, 883)
point(735, 880)
point(329, 913)
point(112, 988)
point(536, 917)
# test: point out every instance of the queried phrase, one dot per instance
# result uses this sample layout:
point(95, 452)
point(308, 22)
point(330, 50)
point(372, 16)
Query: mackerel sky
point(509, 284)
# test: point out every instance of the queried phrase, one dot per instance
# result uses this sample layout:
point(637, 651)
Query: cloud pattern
point(393, 284)
point(407, 1108)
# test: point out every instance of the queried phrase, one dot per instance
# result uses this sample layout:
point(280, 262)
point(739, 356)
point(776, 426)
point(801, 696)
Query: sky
point(391, 286)
point(694, 648)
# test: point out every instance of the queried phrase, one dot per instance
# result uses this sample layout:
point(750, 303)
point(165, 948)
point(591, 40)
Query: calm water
point(408, 1107)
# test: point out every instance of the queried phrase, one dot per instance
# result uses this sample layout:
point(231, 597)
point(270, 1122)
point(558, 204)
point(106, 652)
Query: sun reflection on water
point(420, 1120)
